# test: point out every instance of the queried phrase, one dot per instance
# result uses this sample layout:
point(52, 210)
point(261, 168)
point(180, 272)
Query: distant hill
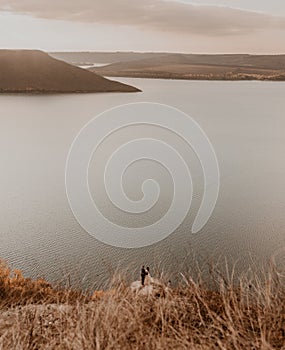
point(241, 60)
point(246, 61)
point(84, 58)
point(183, 66)
point(36, 71)
point(200, 67)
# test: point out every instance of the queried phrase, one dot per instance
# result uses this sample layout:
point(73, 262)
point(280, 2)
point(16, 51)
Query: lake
point(245, 122)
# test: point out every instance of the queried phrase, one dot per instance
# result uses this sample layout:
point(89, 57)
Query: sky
point(201, 26)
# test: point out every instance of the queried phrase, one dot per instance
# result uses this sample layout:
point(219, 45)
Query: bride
point(148, 278)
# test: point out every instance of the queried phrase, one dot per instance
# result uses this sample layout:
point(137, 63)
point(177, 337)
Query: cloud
point(159, 15)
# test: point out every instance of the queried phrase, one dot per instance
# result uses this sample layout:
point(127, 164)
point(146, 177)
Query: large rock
point(154, 288)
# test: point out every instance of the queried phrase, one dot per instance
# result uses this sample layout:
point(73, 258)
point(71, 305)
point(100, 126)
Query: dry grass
point(250, 315)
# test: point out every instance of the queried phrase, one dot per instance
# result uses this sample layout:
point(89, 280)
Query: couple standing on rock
point(145, 276)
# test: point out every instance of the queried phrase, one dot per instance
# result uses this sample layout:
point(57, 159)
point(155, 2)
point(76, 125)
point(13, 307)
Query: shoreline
point(170, 76)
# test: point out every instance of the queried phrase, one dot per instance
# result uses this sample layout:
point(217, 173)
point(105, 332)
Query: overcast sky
point(254, 26)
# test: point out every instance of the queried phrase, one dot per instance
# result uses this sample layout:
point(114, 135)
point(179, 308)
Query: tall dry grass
point(247, 315)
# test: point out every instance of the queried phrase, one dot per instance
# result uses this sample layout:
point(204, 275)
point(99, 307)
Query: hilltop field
point(37, 315)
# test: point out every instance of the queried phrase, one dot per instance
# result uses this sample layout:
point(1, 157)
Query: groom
point(143, 274)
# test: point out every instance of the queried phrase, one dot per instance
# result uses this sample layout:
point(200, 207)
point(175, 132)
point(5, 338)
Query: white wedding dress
point(148, 280)
point(146, 289)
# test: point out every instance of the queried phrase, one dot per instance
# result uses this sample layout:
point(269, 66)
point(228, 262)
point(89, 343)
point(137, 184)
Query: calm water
point(245, 122)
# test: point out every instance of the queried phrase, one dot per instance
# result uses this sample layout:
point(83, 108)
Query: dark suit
point(143, 274)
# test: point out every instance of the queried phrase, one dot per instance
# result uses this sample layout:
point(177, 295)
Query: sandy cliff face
point(36, 71)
